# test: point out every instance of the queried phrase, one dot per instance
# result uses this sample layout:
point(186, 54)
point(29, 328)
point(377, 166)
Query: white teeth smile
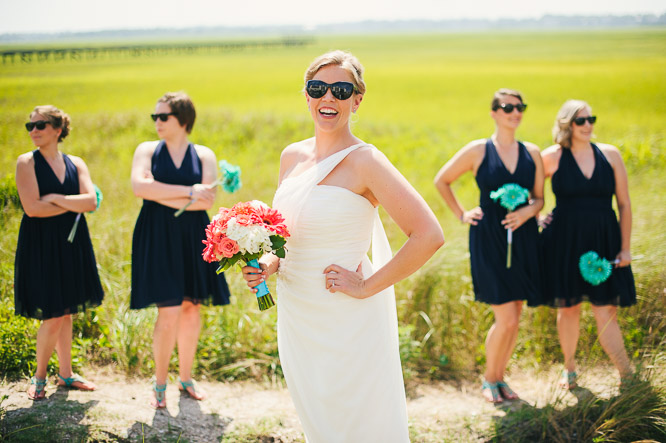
point(327, 111)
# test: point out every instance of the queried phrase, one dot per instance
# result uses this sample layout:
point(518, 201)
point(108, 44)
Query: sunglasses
point(340, 90)
point(508, 107)
point(580, 121)
point(39, 124)
point(163, 117)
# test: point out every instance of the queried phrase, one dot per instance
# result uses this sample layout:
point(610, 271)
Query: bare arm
point(410, 212)
point(623, 202)
point(28, 190)
point(85, 200)
point(467, 159)
point(145, 186)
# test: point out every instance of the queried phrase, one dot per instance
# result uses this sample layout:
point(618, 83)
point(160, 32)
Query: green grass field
point(427, 96)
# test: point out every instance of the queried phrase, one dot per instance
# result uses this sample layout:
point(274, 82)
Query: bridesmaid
point(496, 161)
point(54, 278)
point(167, 268)
point(585, 176)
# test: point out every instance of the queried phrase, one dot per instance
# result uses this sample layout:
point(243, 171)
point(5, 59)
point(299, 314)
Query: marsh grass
point(424, 102)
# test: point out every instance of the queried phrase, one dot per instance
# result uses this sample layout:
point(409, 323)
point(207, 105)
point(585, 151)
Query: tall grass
point(427, 97)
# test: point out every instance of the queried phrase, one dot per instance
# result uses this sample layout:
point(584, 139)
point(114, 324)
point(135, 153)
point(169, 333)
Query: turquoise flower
point(99, 196)
point(510, 196)
point(231, 176)
point(594, 269)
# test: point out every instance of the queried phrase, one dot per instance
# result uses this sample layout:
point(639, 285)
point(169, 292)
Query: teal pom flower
point(594, 269)
point(231, 176)
point(510, 196)
point(99, 195)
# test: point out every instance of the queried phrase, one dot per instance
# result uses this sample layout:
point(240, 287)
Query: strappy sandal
point(568, 380)
point(159, 402)
point(40, 388)
point(69, 383)
point(185, 386)
point(506, 391)
point(494, 392)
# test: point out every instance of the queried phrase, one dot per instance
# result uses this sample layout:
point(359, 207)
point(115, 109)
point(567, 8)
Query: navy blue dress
point(493, 282)
point(53, 277)
point(583, 220)
point(167, 262)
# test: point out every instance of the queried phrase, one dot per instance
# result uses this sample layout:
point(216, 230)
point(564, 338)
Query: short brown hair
point(565, 116)
point(497, 98)
point(56, 117)
point(343, 59)
point(183, 108)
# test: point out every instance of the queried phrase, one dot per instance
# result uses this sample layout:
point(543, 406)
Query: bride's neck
point(327, 144)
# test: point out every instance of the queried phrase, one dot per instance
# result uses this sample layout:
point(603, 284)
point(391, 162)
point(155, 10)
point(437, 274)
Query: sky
point(28, 16)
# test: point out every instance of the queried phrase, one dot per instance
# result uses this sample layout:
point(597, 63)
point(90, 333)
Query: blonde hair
point(343, 59)
point(564, 119)
point(56, 117)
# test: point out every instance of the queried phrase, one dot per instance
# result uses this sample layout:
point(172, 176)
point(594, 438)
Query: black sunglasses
point(580, 121)
point(340, 90)
point(39, 124)
point(508, 107)
point(164, 116)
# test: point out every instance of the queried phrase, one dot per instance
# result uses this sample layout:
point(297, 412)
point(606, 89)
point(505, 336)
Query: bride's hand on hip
point(338, 279)
point(254, 276)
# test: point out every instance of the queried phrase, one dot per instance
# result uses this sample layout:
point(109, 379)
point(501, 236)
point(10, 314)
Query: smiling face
point(169, 128)
point(329, 113)
point(511, 120)
point(584, 132)
point(46, 136)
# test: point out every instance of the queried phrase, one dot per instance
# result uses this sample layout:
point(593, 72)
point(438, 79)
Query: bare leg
point(189, 328)
point(64, 350)
point(568, 330)
point(47, 337)
point(164, 340)
point(511, 344)
point(499, 337)
point(610, 338)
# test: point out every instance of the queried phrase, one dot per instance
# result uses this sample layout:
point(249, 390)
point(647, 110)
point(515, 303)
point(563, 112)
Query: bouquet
point(229, 179)
point(510, 196)
point(594, 269)
point(72, 232)
point(245, 232)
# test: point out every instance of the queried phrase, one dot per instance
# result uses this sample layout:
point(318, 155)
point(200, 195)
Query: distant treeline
point(546, 22)
point(141, 50)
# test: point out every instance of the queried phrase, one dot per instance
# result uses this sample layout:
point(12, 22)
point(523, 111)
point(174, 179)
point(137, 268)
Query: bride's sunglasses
point(508, 107)
point(580, 121)
point(39, 124)
point(163, 117)
point(340, 90)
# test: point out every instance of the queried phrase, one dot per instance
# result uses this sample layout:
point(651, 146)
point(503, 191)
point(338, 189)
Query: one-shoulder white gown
point(340, 355)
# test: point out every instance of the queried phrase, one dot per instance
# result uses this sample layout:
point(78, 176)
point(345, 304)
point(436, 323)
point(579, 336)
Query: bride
point(337, 323)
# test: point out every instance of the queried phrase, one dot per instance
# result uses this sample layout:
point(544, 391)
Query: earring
point(354, 118)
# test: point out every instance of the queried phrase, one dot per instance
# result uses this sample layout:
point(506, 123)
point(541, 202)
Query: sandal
point(568, 380)
point(159, 402)
point(506, 391)
point(495, 396)
point(195, 393)
point(84, 385)
point(40, 388)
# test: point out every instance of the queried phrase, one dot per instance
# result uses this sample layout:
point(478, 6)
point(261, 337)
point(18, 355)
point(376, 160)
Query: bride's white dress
point(340, 355)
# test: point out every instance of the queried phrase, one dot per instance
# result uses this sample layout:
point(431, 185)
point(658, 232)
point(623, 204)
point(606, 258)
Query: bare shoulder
point(611, 152)
point(367, 157)
point(25, 159)
point(532, 148)
point(297, 151)
point(475, 146)
point(147, 148)
point(204, 152)
point(551, 152)
point(78, 161)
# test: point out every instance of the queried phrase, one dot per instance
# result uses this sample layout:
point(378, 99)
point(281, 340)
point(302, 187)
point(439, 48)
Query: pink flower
point(227, 247)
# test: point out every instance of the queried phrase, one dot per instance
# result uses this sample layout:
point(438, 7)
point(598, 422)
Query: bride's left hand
point(338, 279)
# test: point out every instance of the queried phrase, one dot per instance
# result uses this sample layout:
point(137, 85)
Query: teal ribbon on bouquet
point(264, 297)
point(229, 180)
point(99, 196)
point(510, 196)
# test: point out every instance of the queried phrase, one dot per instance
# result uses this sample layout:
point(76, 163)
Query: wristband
point(191, 188)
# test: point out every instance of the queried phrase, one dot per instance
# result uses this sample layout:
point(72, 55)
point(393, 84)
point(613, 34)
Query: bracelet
point(191, 189)
point(461, 217)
